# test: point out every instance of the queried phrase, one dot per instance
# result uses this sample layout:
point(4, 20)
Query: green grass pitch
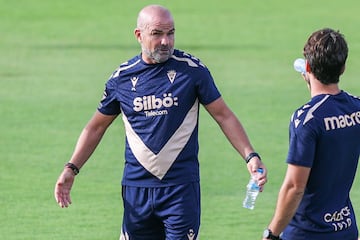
point(55, 57)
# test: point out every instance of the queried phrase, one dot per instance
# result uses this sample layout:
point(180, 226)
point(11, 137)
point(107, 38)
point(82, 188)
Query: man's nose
point(165, 40)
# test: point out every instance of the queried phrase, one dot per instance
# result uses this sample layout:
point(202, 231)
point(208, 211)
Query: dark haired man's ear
point(307, 66)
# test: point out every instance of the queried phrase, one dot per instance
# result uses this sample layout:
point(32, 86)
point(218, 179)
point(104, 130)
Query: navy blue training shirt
point(159, 104)
point(325, 136)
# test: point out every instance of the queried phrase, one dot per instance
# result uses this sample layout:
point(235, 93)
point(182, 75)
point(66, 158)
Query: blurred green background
point(55, 57)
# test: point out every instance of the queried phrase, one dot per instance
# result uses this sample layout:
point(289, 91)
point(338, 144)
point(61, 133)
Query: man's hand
point(254, 164)
point(63, 187)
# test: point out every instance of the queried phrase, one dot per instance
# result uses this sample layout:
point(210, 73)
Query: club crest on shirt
point(171, 75)
point(133, 82)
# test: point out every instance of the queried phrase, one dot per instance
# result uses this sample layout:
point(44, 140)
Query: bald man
point(158, 94)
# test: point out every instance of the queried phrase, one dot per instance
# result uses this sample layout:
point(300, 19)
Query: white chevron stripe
point(159, 164)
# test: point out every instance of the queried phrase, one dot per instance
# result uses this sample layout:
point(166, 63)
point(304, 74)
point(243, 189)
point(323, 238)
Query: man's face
point(157, 40)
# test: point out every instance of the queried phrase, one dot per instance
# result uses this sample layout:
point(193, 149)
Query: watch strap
point(73, 167)
point(251, 155)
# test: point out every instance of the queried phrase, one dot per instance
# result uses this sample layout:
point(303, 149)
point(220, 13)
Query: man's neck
point(332, 89)
point(317, 88)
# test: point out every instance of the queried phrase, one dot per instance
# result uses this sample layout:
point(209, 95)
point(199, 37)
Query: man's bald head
point(152, 14)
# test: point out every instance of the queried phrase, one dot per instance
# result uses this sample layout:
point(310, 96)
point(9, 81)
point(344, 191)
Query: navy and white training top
point(325, 136)
point(159, 104)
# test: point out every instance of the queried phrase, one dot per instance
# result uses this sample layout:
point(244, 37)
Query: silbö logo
point(155, 106)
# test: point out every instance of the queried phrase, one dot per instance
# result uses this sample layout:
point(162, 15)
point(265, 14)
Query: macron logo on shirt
point(342, 121)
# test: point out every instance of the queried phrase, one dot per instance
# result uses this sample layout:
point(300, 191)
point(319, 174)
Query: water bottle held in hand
point(252, 190)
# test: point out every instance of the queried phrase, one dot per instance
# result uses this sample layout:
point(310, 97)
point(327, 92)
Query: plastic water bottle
point(252, 191)
point(299, 65)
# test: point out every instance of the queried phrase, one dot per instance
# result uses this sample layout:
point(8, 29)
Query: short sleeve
point(109, 105)
point(302, 144)
point(207, 89)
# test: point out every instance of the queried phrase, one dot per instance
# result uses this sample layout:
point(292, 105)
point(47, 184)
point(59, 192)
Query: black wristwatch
point(269, 235)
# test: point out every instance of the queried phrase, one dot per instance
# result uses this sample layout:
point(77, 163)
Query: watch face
point(266, 233)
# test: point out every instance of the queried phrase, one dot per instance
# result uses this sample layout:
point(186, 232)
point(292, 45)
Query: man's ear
point(137, 34)
point(307, 66)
